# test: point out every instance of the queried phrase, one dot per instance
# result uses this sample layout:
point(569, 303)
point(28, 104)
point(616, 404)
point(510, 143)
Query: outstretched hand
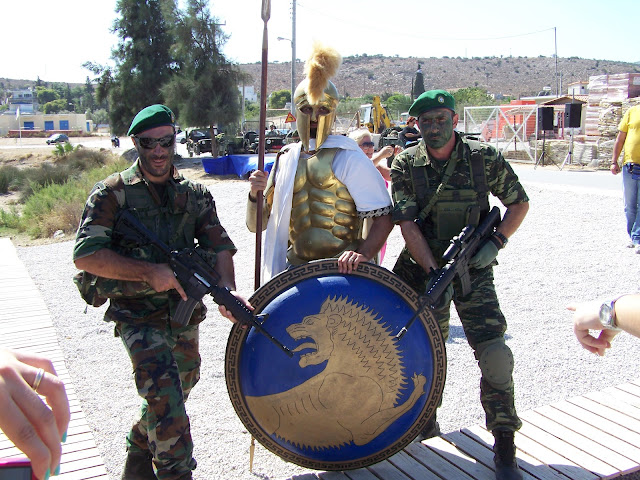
point(585, 318)
point(35, 427)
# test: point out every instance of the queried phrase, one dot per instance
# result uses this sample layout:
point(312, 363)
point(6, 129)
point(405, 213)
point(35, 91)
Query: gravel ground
point(570, 247)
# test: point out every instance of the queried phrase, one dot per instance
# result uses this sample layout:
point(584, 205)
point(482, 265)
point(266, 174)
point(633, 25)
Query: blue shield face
point(352, 395)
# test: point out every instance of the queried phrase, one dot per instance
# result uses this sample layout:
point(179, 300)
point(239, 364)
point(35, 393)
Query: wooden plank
point(630, 388)
point(568, 451)
point(614, 415)
point(26, 325)
point(360, 474)
point(332, 476)
point(480, 455)
point(388, 471)
point(428, 456)
point(94, 472)
point(602, 437)
point(616, 399)
point(460, 459)
point(411, 467)
point(605, 455)
point(531, 466)
point(598, 421)
point(552, 458)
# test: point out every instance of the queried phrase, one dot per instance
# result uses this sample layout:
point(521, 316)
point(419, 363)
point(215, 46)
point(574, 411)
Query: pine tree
point(143, 59)
point(204, 89)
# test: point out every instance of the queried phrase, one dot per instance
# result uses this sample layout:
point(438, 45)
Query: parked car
point(198, 141)
point(57, 138)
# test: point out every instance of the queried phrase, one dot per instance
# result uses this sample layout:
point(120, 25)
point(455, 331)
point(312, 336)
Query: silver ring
point(36, 382)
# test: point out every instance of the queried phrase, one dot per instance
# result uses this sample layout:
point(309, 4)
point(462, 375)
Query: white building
point(249, 93)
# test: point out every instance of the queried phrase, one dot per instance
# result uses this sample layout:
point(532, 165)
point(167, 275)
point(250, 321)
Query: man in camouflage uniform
point(144, 292)
point(439, 186)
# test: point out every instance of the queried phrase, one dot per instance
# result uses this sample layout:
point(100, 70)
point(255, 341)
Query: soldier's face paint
point(156, 162)
point(436, 127)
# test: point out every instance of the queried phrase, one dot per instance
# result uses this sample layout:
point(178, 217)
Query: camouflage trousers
point(483, 321)
point(166, 366)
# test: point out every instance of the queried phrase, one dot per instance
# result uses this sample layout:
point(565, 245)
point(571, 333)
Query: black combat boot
point(431, 429)
point(505, 456)
point(139, 466)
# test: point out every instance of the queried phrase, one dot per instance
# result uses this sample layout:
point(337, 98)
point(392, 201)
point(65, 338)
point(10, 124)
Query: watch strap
point(609, 322)
point(502, 238)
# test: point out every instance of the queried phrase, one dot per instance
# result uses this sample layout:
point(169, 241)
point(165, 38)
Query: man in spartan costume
point(321, 189)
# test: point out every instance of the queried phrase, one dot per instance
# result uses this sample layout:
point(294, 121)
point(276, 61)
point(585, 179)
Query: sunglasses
point(367, 144)
point(149, 143)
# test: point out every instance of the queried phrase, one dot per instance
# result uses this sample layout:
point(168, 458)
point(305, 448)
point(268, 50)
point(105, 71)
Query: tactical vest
point(174, 223)
point(324, 221)
point(452, 209)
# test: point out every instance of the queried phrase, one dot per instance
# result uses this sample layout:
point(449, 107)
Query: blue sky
point(54, 46)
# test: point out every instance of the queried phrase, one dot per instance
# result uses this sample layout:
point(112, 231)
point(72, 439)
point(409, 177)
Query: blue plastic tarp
point(240, 165)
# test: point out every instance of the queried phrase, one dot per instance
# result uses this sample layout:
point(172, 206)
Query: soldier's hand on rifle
point(161, 278)
point(447, 295)
point(227, 314)
point(485, 255)
point(258, 181)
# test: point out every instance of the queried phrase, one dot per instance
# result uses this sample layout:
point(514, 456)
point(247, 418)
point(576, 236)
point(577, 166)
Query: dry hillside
point(510, 76)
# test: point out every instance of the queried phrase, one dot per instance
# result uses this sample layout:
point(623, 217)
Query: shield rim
point(266, 293)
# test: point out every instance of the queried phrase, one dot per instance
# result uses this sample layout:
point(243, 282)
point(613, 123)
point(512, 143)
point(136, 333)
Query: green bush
point(10, 178)
point(53, 195)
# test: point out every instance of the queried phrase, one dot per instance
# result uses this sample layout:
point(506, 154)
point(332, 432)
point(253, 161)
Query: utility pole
point(555, 40)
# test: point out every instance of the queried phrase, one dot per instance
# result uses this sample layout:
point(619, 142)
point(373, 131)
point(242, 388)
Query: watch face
point(606, 315)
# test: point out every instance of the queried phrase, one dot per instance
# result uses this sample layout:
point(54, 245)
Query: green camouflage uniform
point(164, 355)
point(415, 179)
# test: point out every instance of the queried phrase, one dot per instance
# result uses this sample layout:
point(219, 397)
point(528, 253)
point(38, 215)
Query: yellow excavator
point(375, 117)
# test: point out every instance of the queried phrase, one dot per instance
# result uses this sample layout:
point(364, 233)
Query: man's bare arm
point(417, 245)
point(513, 218)
point(109, 264)
point(349, 260)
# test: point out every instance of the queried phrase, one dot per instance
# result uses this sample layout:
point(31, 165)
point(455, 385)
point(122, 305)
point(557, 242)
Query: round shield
point(352, 394)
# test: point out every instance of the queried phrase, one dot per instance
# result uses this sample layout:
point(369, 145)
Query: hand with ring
point(35, 427)
point(349, 261)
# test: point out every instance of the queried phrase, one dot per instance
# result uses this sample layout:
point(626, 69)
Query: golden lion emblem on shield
point(354, 399)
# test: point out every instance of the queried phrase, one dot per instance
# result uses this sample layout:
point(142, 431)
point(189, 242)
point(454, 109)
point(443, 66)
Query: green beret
point(151, 117)
point(430, 100)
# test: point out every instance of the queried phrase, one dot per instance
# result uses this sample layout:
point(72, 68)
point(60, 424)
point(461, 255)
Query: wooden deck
point(25, 324)
point(594, 436)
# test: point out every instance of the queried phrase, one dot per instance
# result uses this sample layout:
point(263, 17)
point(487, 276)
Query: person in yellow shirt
point(629, 139)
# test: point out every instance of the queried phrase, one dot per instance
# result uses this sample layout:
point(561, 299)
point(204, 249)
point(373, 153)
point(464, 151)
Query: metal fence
point(512, 128)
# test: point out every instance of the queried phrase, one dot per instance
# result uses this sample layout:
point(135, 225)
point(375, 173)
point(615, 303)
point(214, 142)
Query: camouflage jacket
point(411, 194)
point(185, 215)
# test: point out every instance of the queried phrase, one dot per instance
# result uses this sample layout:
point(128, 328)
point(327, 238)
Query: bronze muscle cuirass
point(324, 220)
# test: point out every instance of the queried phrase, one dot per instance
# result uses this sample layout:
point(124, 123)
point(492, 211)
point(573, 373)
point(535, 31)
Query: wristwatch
point(608, 315)
point(501, 237)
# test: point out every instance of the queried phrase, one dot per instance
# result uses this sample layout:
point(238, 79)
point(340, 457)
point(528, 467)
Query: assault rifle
point(195, 275)
point(461, 249)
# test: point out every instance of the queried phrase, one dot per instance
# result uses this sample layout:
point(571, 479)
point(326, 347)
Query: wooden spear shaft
point(266, 13)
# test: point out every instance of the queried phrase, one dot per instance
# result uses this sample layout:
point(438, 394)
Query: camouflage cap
point(430, 100)
point(151, 117)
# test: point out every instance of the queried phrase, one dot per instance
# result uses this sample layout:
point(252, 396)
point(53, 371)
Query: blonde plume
point(320, 67)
